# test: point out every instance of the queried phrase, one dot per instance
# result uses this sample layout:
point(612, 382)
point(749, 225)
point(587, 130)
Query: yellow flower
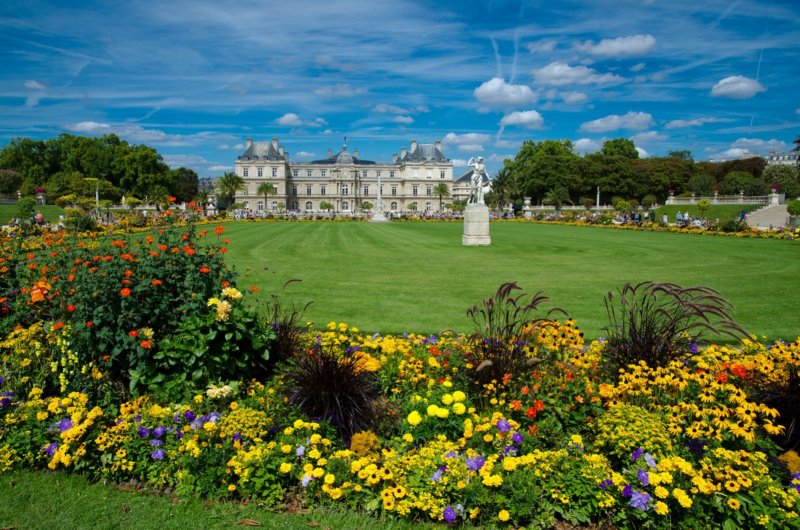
point(662, 508)
point(232, 487)
point(408, 438)
point(414, 418)
point(733, 504)
point(286, 467)
point(447, 399)
point(504, 515)
point(330, 478)
point(459, 408)
point(459, 396)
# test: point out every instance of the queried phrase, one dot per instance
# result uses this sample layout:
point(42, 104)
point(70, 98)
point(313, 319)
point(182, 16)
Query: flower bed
point(521, 424)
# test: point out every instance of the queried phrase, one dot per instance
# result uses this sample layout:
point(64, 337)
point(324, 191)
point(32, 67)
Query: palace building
point(343, 181)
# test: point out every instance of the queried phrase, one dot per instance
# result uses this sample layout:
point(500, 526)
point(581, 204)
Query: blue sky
point(195, 78)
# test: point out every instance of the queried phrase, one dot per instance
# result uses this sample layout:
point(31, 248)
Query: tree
point(504, 186)
point(227, 185)
point(682, 154)
point(786, 177)
point(557, 197)
point(441, 190)
point(266, 189)
point(201, 198)
point(620, 147)
point(185, 184)
point(539, 167)
point(703, 205)
point(325, 205)
point(10, 181)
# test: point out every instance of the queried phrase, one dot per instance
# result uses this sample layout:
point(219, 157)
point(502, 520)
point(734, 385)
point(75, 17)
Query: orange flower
point(218, 230)
point(128, 273)
point(118, 243)
point(226, 283)
point(145, 344)
point(191, 204)
point(154, 253)
point(223, 250)
point(156, 282)
point(171, 199)
point(31, 256)
point(58, 325)
point(203, 233)
point(71, 308)
point(189, 251)
point(162, 248)
point(204, 269)
point(253, 289)
point(226, 240)
point(125, 291)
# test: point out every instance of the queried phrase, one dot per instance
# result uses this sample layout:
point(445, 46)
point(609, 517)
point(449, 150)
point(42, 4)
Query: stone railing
point(773, 198)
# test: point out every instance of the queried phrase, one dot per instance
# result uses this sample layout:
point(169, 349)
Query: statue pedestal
point(378, 217)
point(476, 225)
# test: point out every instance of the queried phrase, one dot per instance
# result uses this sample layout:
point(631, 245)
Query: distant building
point(343, 180)
point(784, 159)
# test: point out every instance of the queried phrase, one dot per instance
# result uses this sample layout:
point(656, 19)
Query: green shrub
point(793, 207)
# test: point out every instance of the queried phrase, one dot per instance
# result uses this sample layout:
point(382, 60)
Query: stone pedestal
point(476, 226)
point(378, 217)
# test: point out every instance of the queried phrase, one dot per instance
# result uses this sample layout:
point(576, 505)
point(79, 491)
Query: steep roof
point(424, 153)
point(262, 151)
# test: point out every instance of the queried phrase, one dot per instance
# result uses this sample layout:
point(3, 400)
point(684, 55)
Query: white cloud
point(759, 145)
point(574, 98)
point(697, 122)
point(649, 136)
point(586, 145)
point(342, 90)
point(235, 147)
point(175, 161)
point(635, 121)
point(138, 134)
point(90, 127)
point(403, 119)
point(318, 122)
point(507, 144)
point(495, 158)
point(470, 147)
point(496, 92)
point(220, 168)
point(558, 74)
point(34, 85)
point(619, 47)
point(290, 119)
point(541, 46)
point(529, 119)
point(304, 155)
point(637, 67)
point(383, 108)
point(642, 152)
point(459, 162)
point(422, 108)
point(466, 139)
point(737, 87)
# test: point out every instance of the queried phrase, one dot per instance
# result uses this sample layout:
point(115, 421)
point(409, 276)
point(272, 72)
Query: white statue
point(477, 188)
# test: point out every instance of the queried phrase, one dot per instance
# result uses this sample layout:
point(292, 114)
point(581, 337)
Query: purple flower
point(517, 438)
point(50, 449)
point(306, 481)
point(650, 460)
point(156, 443)
point(795, 477)
point(627, 490)
point(236, 437)
point(437, 475)
point(451, 454)
point(503, 425)
point(300, 451)
point(607, 483)
point(693, 348)
point(636, 454)
point(158, 454)
point(159, 431)
point(449, 515)
point(644, 478)
point(65, 425)
point(189, 415)
point(143, 432)
point(639, 500)
point(510, 450)
point(475, 463)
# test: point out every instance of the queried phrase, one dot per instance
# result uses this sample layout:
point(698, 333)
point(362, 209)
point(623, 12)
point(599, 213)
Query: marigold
point(504, 515)
point(125, 291)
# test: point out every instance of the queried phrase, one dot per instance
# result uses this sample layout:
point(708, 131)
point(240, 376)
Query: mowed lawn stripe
point(400, 277)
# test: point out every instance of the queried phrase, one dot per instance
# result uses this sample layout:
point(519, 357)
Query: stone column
point(476, 225)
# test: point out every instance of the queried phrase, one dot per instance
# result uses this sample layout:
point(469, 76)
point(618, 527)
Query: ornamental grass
point(391, 425)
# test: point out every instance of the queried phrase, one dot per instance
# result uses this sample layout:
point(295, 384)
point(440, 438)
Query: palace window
point(345, 189)
point(260, 171)
point(295, 173)
point(322, 190)
point(430, 173)
point(391, 174)
point(428, 206)
point(308, 189)
point(294, 189)
point(366, 190)
point(309, 172)
point(309, 206)
point(378, 174)
point(273, 206)
point(246, 172)
point(294, 205)
point(345, 206)
point(274, 172)
point(394, 205)
point(260, 206)
point(364, 174)
point(441, 174)
point(322, 172)
point(415, 190)
point(394, 190)
point(428, 190)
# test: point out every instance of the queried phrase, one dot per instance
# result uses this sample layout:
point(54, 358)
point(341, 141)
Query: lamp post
point(598, 197)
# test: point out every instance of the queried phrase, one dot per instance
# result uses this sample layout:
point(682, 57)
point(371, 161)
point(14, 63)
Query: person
point(742, 215)
point(665, 219)
point(678, 218)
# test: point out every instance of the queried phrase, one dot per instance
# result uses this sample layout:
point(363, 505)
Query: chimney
point(394, 157)
point(330, 153)
point(280, 150)
point(275, 143)
point(413, 145)
point(403, 152)
point(438, 145)
point(355, 153)
point(248, 143)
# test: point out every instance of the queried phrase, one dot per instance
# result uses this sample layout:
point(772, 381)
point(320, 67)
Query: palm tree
point(557, 197)
point(266, 189)
point(441, 190)
point(228, 184)
point(202, 198)
point(504, 186)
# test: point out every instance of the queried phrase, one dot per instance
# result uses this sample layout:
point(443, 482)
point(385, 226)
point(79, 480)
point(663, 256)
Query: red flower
point(171, 199)
point(531, 412)
point(125, 291)
point(223, 250)
point(58, 325)
point(128, 273)
point(253, 289)
point(204, 269)
point(218, 230)
point(89, 324)
point(71, 308)
point(145, 344)
point(516, 404)
point(133, 333)
point(722, 378)
point(226, 283)
point(203, 233)
point(538, 404)
point(156, 282)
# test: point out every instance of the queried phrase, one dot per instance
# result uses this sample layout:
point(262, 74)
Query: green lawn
point(42, 500)
point(723, 212)
point(49, 211)
point(417, 277)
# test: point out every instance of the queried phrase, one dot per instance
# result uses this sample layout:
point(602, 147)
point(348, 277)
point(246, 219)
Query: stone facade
point(343, 179)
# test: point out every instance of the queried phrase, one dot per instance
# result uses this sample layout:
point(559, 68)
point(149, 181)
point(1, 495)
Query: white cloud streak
point(635, 121)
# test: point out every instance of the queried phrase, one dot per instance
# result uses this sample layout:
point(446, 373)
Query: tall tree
point(682, 154)
point(557, 197)
point(541, 166)
point(227, 185)
point(620, 147)
point(504, 186)
point(441, 190)
point(266, 189)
